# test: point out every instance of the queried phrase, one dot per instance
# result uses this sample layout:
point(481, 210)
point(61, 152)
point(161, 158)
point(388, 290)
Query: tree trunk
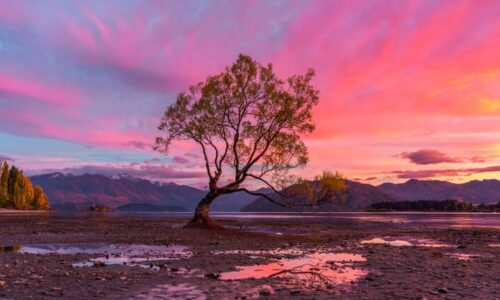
point(201, 217)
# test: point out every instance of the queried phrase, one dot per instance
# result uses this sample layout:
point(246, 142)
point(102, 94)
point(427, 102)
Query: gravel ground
point(388, 272)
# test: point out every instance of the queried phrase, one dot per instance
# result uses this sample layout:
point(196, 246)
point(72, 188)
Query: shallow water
point(437, 219)
point(273, 252)
point(114, 254)
point(145, 256)
point(463, 256)
point(173, 291)
point(110, 249)
point(311, 269)
point(410, 242)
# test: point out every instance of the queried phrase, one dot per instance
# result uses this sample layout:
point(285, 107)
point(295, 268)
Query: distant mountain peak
point(80, 191)
point(122, 176)
point(55, 175)
point(475, 191)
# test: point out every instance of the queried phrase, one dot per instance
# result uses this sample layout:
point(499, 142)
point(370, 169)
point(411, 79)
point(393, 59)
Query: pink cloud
point(39, 91)
point(10, 12)
point(5, 158)
point(180, 160)
point(393, 75)
point(429, 156)
point(444, 172)
point(141, 171)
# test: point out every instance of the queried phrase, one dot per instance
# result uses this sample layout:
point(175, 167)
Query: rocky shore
point(118, 257)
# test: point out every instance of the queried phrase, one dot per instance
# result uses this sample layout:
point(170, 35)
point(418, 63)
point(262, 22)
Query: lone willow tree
point(248, 124)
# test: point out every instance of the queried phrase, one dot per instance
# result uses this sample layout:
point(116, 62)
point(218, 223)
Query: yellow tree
point(4, 185)
point(40, 200)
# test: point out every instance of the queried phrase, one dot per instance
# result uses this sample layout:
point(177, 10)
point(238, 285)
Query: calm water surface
point(491, 220)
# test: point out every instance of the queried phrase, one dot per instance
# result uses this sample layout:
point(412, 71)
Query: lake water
point(438, 219)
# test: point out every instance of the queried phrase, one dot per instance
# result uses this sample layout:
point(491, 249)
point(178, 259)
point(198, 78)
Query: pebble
point(295, 292)
point(212, 275)
point(265, 292)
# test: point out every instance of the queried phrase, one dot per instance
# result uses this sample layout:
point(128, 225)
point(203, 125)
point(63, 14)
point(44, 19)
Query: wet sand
point(402, 261)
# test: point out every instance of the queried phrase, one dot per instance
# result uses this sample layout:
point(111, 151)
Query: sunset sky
point(409, 89)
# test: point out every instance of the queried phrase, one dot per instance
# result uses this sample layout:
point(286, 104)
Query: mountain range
point(123, 192)
point(476, 191)
point(358, 197)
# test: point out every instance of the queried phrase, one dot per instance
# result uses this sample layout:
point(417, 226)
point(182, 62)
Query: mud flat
point(122, 257)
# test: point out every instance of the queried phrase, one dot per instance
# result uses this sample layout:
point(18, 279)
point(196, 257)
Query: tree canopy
point(248, 125)
point(17, 191)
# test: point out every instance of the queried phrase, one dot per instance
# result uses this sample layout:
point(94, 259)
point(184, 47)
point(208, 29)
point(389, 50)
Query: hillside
point(358, 197)
point(78, 192)
point(70, 192)
point(476, 191)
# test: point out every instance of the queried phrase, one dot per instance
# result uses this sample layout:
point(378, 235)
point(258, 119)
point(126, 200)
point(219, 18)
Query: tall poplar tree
point(17, 191)
point(40, 200)
point(4, 184)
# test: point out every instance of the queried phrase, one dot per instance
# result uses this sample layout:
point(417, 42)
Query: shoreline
point(22, 211)
point(387, 272)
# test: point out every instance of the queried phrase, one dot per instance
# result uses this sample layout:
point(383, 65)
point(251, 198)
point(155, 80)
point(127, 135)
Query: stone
point(265, 292)
point(99, 264)
point(212, 275)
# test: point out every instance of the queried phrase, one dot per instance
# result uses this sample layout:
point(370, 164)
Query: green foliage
point(327, 187)
point(17, 192)
point(246, 119)
point(249, 124)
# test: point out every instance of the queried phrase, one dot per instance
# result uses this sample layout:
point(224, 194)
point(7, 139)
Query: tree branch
point(258, 194)
point(266, 183)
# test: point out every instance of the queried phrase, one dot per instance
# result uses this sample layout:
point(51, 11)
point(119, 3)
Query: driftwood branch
point(299, 271)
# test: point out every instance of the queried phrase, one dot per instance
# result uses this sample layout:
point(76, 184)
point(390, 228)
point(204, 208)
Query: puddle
point(311, 270)
point(263, 253)
point(405, 243)
point(264, 229)
point(137, 255)
point(380, 241)
point(114, 254)
point(463, 256)
point(171, 291)
point(174, 251)
point(379, 218)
